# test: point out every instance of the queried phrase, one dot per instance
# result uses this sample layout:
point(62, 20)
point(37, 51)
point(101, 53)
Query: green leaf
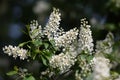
point(11, 73)
point(28, 27)
point(29, 46)
point(29, 78)
point(37, 42)
point(110, 27)
point(89, 58)
point(34, 56)
point(16, 68)
point(46, 45)
point(52, 42)
point(83, 57)
point(44, 60)
point(24, 43)
point(114, 74)
point(47, 57)
point(46, 52)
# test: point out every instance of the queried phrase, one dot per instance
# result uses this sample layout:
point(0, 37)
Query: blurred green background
point(103, 16)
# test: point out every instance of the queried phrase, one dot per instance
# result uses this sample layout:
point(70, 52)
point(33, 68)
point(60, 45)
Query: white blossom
point(15, 51)
point(85, 37)
point(101, 68)
point(51, 29)
point(105, 46)
point(35, 30)
point(66, 39)
point(63, 61)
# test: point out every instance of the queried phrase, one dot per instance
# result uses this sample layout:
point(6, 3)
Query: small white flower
point(15, 52)
point(85, 37)
point(66, 39)
point(63, 61)
point(51, 29)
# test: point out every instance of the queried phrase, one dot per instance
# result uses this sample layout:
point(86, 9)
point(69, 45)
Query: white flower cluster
point(35, 30)
point(52, 27)
point(85, 37)
point(66, 39)
point(105, 46)
point(52, 30)
point(63, 62)
point(66, 59)
point(15, 52)
point(101, 68)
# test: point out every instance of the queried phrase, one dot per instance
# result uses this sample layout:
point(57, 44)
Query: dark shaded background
point(103, 15)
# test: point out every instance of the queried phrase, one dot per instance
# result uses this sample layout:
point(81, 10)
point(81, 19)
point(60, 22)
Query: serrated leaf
point(11, 73)
point(29, 78)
